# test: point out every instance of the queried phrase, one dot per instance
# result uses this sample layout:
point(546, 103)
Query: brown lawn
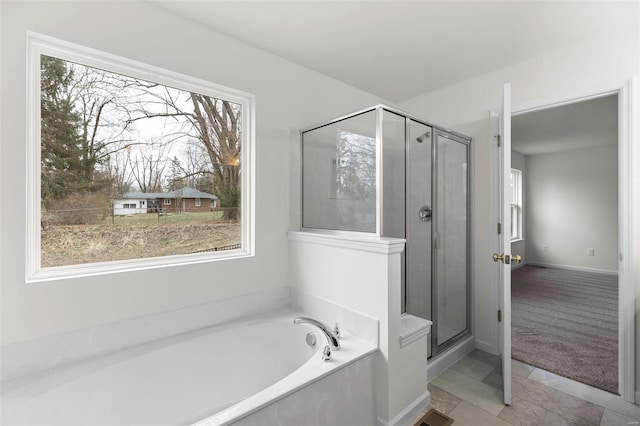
point(134, 238)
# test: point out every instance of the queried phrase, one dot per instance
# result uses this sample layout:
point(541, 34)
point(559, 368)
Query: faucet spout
point(331, 338)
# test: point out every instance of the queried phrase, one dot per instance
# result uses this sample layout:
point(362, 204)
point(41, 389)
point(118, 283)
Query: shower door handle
point(425, 213)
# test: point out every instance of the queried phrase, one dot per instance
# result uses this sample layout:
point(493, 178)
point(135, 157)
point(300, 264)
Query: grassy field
point(136, 236)
point(154, 218)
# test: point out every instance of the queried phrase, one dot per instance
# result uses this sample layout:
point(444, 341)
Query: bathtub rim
point(353, 349)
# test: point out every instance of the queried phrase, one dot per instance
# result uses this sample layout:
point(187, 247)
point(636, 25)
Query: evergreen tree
point(60, 154)
point(176, 179)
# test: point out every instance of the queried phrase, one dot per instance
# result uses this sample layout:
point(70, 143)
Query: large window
point(108, 132)
point(516, 205)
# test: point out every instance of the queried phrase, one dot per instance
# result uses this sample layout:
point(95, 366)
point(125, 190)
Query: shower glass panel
point(339, 175)
point(451, 238)
point(419, 204)
point(387, 174)
point(393, 172)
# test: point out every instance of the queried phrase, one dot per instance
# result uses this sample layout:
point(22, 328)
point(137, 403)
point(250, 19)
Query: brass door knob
point(516, 258)
point(502, 258)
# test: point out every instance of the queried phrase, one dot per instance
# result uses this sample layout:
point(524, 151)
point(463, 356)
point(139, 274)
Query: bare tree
point(116, 145)
point(219, 129)
point(193, 170)
point(120, 175)
point(217, 125)
point(147, 167)
point(103, 101)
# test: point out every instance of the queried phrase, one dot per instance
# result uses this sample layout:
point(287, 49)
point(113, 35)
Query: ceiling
point(581, 125)
point(398, 50)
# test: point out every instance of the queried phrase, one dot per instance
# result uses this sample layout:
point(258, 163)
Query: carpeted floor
point(566, 322)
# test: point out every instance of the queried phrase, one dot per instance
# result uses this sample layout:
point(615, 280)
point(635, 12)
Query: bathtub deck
point(170, 381)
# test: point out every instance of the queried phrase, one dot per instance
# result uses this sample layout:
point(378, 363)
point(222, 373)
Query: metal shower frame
point(379, 233)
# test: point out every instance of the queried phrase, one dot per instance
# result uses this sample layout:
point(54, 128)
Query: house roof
point(185, 192)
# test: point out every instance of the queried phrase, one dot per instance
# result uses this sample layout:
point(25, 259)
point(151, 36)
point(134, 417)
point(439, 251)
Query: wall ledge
point(413, 328)
point(360, 243)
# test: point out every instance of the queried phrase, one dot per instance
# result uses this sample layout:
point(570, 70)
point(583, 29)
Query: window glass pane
point(125, 162)
point(516, 204)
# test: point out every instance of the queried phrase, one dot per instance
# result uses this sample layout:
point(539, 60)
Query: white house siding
point(119, 209)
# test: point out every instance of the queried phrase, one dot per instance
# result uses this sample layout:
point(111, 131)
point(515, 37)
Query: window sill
point(131, 265)
point(517, 240)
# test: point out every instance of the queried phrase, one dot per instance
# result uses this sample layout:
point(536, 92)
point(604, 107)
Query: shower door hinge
point(499, 229)
point(499, 316)
point(498, 139)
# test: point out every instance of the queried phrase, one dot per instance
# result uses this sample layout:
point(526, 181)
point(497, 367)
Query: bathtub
point(253, 371)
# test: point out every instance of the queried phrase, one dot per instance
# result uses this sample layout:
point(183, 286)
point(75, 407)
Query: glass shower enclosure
point(384, 173)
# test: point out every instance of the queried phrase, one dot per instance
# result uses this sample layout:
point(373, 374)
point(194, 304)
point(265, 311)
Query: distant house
point(184, 200)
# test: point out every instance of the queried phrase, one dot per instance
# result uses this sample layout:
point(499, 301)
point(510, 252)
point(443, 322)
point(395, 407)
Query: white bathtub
point(243, 372)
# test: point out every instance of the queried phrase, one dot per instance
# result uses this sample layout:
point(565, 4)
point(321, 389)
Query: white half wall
point(345, 272)
point(287, 96)
point(572, 205)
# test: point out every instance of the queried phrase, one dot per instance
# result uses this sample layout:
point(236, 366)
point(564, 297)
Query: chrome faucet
point(331, 337)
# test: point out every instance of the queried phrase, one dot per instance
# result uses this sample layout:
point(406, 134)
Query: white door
point(503, 257)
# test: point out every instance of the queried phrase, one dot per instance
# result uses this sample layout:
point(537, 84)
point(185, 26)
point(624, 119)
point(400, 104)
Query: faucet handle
point(336, 331)
point(326, 354)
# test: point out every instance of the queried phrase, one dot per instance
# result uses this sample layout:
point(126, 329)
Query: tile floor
point(470, 392)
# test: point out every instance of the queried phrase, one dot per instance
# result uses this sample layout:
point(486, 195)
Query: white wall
point(465, 107)
point(572, 205)
point(519, 247)
point(354, 279)
point(369, 283)
point(286, 96)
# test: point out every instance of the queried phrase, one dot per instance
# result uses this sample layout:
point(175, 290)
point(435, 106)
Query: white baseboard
point(573, 268)
point(409, 414)
point(515, 266)
point(449, 357)
point(487, 347)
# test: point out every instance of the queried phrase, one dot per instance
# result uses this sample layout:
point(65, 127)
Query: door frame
point(628, 214)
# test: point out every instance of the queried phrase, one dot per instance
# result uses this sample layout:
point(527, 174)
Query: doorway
point(627, 218)
point(564, 224)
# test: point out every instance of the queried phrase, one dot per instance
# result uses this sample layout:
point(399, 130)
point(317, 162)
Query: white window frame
point(167, 201)
point(38, 45)
point(516, 206)
point(198, 202)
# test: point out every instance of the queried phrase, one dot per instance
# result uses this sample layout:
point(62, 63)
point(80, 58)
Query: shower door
point(437, 230)
point(450, 240)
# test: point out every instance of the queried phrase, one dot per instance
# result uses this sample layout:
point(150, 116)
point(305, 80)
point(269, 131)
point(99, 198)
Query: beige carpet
point(566, 322)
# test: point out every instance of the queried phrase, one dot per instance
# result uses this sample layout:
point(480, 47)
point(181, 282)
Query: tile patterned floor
point(470, 392)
